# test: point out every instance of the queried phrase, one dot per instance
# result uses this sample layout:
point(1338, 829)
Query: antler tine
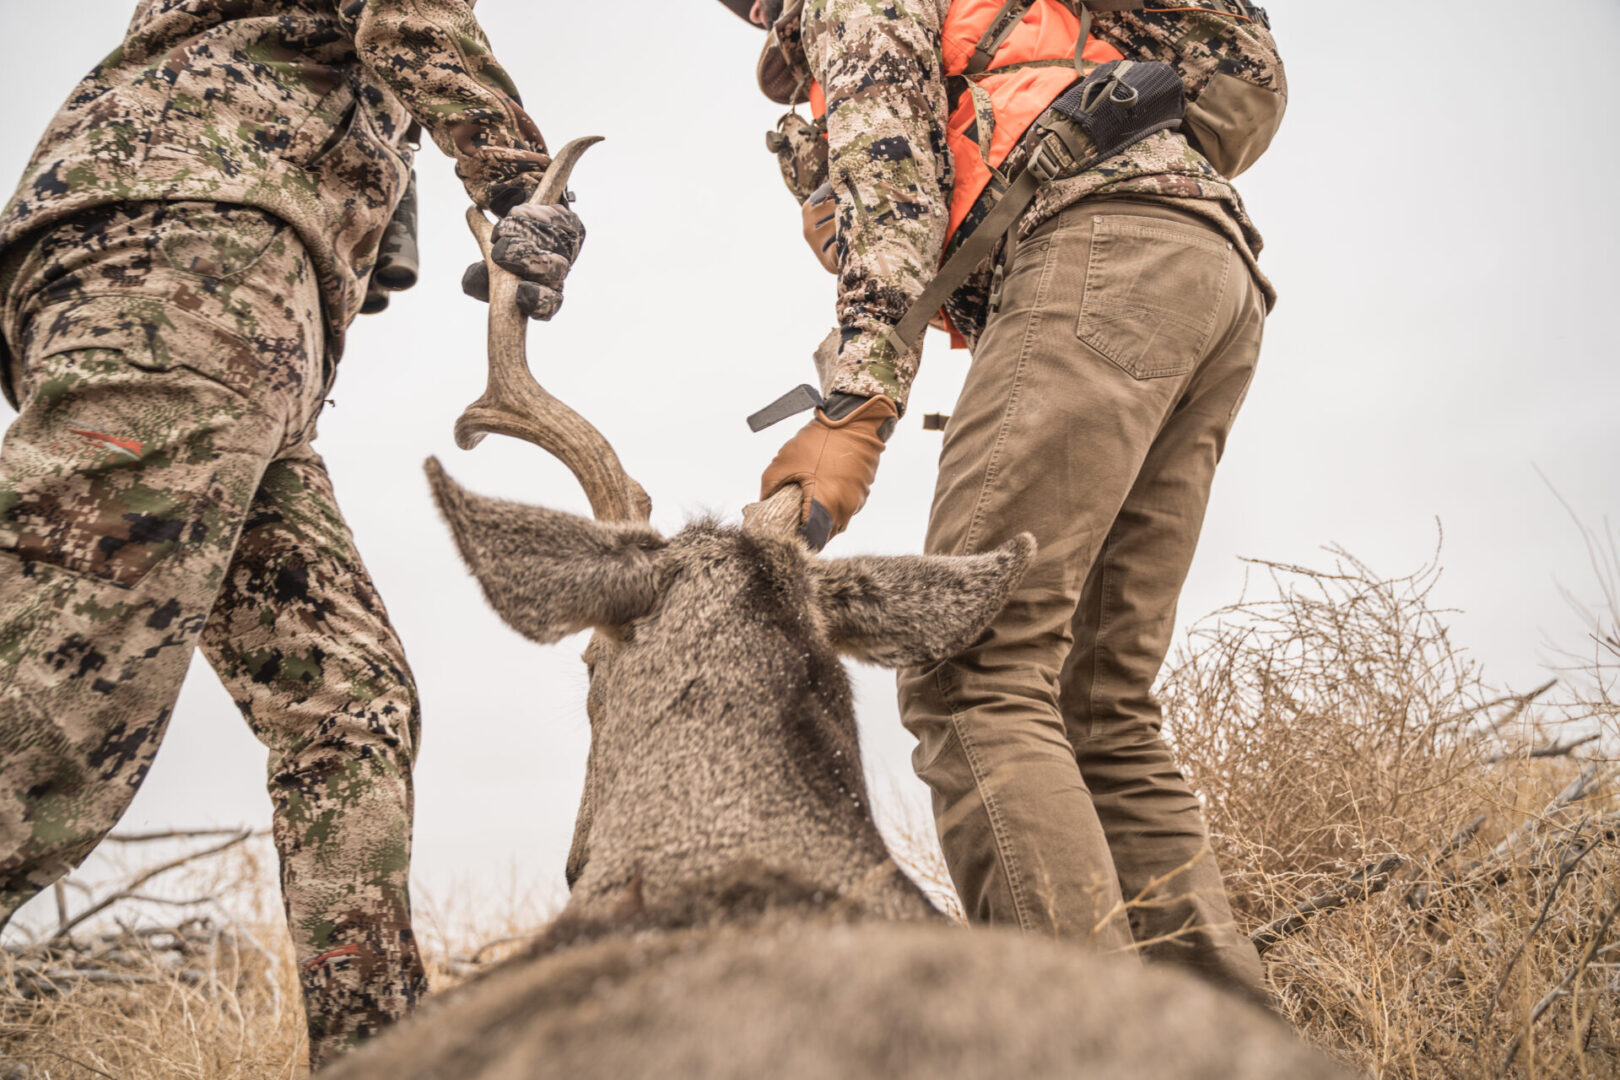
point(515, 404)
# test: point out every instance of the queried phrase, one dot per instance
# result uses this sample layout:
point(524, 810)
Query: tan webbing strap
point(1085, 8)
point(1055, 156)
point(1000, 29)
point(1085, 36)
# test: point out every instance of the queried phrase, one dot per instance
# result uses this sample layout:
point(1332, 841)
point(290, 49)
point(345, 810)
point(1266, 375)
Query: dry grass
point(142, 993)
point(214, 998)
point(1345, 748)
point(1436, 900)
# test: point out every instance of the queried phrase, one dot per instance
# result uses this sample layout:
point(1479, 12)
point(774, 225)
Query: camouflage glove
point(821, 226)
point(537, 243)
point(833, 459)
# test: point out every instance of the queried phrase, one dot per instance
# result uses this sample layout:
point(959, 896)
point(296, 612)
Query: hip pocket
point(1153, 293)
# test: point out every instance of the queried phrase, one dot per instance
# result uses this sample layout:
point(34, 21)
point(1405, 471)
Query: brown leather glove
point(834, 462)
point(820, 212)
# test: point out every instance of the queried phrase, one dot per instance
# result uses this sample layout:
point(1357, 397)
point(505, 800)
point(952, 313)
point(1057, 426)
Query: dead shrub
point(1431, 866)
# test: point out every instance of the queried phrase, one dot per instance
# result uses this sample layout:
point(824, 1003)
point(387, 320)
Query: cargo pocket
point(215, 242)
point(1153, 293)
point(101, 507)
point(103, 469)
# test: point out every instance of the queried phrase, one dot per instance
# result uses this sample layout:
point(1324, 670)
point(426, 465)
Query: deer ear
point(915, 609)
point(547, 573)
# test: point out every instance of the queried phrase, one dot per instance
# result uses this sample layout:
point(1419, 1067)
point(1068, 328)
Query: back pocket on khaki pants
point(1154, 290)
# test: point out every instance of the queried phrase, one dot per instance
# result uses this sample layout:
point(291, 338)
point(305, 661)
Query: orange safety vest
point(1029, 71)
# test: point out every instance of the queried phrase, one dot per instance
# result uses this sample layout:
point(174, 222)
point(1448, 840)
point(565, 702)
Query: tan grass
point(1332, 726)
point(1333, 730)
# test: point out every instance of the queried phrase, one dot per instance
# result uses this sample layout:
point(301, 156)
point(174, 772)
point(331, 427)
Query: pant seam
point(1106, 584)
point(998, 828)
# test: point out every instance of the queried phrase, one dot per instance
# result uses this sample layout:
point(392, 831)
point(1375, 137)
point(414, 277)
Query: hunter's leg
point(1122, 630)
point(303, 643)
point(149, 408)
point(1048, 437)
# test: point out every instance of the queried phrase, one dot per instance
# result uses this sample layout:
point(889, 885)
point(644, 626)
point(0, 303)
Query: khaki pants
point(1095, 411)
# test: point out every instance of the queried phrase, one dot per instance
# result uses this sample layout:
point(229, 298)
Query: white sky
point(1439, 222)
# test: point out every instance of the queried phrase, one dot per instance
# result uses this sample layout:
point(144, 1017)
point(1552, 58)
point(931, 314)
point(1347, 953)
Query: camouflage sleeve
point(880, 67)
point(435, 58)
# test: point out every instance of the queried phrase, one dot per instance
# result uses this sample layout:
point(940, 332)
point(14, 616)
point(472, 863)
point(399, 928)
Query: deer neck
point(747, 811)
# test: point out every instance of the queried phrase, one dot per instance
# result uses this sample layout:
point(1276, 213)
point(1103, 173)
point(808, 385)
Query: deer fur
point(734, 911)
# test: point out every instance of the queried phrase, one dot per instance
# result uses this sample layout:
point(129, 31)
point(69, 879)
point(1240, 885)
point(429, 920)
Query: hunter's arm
point(880, 68)
point(435, 58)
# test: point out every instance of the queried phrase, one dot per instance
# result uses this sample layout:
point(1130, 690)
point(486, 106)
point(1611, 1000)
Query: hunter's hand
point(539, 244)
point(820, 212)
point(834, 461)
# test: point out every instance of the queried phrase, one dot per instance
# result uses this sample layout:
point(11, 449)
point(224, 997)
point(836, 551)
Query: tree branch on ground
point(134, 887)
point(1360, 885)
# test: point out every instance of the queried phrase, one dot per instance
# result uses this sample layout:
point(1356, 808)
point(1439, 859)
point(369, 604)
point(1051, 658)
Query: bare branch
point(1564, 872)
point(1460, 838)
point(1517, 704)
point(1555, 750)
point(195, 901)
point(1419, 892)
point(134, 886)
point(1594, 775)
point(1562, 989)
point(176, 834)
point(80, 1064)
point(1359, 886)
point(59, 891)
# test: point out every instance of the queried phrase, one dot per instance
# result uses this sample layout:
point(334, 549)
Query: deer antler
point(515, 404)
point(778, 514)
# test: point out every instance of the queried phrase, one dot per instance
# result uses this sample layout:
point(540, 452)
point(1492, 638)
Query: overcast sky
point(1439, 221)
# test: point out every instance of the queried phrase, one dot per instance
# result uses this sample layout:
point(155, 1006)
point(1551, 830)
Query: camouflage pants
point(158, 490)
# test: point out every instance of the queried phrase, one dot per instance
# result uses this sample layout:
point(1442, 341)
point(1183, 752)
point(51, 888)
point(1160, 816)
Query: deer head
point(722, 726)
point(721, 721)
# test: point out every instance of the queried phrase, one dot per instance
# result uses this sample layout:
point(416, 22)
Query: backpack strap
point(1091, 122)
point(996, 35)
point(1058, 154)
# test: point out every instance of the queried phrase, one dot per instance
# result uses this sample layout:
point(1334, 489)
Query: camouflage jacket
point(881, 70)
point(298, 107)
